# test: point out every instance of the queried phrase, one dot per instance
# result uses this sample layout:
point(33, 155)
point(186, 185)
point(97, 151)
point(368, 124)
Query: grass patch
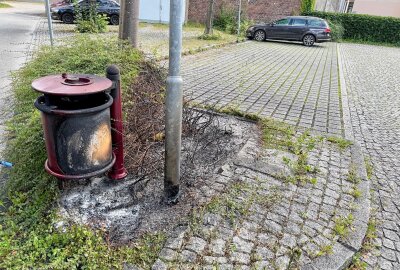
point(28, 239)
point(5, 5)
point(340, 142)
point(210, 37)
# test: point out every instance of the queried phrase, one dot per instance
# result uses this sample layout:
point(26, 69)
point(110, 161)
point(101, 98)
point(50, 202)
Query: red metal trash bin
point(75, 112)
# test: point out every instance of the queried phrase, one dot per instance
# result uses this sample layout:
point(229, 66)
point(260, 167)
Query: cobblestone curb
point(344, 251)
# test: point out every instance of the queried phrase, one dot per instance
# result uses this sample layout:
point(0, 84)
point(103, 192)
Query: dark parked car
point(107, 7)
point(60, 3)
point(296, 28)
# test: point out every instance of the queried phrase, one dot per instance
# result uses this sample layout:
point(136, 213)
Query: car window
point(315, 23)
point(282, 22)
point(298, 22)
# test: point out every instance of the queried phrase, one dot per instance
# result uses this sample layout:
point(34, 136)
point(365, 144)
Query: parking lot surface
point(285, 81)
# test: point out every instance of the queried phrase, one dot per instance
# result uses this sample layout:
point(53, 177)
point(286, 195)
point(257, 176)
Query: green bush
point(28, 239)
point(364, 28)
point(89, 21)
point(307, 5)
point(210, 37)
point(337, 30)
point(227, 21)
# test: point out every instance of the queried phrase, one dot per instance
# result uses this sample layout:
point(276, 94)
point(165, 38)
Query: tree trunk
point(130, 22)
point(210, 17)
point(186, 11)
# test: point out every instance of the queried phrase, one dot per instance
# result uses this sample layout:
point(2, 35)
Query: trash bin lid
point(71, 84)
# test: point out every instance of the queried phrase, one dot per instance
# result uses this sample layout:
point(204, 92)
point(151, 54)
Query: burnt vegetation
point(202, 136)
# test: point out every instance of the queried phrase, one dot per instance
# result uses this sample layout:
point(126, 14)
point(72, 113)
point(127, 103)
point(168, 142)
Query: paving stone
point(159, 265)
point(264, 253)
point(196, 244)
point(218, 246)
point(215, 260)
point(240, 258)
point(242, 245)
point(167, 254)
point(187, 256)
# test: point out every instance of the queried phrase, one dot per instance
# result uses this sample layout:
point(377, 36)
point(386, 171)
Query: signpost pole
point(49, 22)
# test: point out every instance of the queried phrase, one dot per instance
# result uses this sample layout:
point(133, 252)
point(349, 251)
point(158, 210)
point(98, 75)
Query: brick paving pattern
point(373, 82)
point(288, 82)
point(280, 226)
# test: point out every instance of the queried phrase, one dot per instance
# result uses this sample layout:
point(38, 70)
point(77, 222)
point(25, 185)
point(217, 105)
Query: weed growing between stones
point(281, 136)
point(368, 245)
point(343, 225)
point(324, 250)
point(369, 167)
point(340, 142)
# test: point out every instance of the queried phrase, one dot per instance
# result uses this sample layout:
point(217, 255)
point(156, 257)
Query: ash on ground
point(135, 206)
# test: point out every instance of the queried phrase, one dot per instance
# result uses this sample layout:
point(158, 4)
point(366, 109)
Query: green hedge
point(362, 27)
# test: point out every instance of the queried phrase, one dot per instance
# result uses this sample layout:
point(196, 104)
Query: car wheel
point(308, 40)
point(114, 19)
point(259, 35)
point(67, 18)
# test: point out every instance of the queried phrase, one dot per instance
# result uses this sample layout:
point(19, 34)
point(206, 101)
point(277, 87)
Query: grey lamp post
point(49, 21)
point(173, 113)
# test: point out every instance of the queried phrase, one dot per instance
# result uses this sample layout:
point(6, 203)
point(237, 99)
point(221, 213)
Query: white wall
point(377, 7)
point(157, 11)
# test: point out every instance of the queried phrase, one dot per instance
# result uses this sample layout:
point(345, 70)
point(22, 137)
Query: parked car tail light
point(327, 30)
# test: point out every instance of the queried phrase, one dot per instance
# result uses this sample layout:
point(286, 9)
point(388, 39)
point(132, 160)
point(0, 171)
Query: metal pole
point(173, 112)
point(118, 171)
point(238, 29)
point(135, 24)
point(49, 21)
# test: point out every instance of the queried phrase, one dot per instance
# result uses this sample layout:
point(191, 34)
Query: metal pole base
point(118, 174)
point(172, 194)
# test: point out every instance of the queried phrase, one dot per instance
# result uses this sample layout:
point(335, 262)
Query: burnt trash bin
point(75, 113)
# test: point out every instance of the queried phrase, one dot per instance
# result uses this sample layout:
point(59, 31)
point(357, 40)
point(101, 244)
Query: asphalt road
point(17, 26)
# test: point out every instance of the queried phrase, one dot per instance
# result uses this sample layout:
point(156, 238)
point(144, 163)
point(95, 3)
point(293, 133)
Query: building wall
point(328, 5)
point(377, 7)
point(257, 10)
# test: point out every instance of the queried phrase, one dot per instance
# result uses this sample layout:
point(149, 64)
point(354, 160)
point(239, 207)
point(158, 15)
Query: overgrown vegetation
point(4, 5)
point(364, 28)
point(210, 37)
point(227, 21)
point(307, 5)
point(89, 20)
point(337, 30)
point(28, 238)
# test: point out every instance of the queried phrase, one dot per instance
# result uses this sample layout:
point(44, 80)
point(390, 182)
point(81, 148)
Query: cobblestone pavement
point(285, 81)
point(265, 223)
point(373, 84)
